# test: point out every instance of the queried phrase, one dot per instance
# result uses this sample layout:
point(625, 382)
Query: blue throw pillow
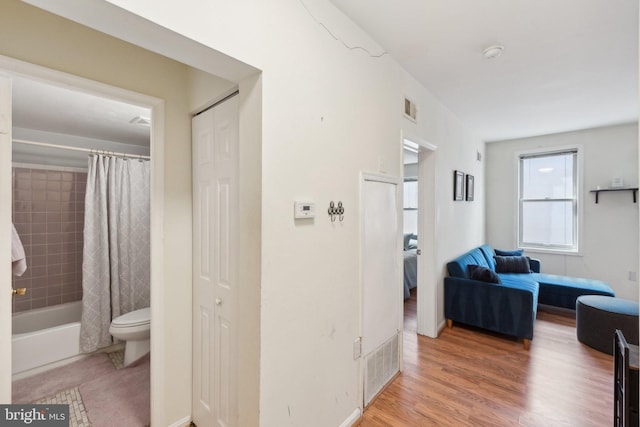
point(484, 274)
point(512, 264)
point(515, 252)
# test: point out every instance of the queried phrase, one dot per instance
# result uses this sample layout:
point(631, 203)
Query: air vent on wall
point(380, 367)
point(410, 109)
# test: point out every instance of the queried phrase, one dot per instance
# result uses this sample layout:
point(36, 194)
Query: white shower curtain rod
point(87, 150)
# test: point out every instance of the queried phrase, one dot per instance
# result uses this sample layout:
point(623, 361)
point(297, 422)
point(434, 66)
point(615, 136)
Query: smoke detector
point(493, 52)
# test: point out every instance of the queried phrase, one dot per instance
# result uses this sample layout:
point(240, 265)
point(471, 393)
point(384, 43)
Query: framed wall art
point(458, 185)
point(469, 187)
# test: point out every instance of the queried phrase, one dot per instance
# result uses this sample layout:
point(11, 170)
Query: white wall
point(459, 226)
point(609, 240)
point(328, 113)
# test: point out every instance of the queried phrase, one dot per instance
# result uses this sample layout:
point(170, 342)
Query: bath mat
point(120, 398)
point(77, 412)
point(117, 358)
point(39, 386)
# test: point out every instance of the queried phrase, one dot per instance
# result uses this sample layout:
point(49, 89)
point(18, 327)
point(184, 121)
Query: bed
point(410, 263)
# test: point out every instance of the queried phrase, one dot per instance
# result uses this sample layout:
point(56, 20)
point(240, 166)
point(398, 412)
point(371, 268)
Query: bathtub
point(45, 335)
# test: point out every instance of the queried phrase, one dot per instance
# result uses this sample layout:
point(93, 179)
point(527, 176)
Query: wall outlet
point(633, 276)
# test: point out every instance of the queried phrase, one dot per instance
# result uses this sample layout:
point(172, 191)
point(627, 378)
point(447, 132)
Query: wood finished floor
point(469, 377)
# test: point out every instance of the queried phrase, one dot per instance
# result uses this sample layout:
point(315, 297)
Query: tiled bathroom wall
point(48, 213)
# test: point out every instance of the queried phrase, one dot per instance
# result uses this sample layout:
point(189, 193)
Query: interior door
point(5, 239)
point(381, 295)
point(215, 254)
point(428, 299)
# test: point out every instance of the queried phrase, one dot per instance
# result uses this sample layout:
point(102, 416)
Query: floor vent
point(379, 367)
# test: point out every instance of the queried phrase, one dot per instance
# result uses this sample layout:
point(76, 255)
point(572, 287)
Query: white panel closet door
point(381, 289)
point(215, 272)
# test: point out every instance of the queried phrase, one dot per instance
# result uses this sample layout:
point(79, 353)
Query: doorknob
point(218, 301)
point(19, 291)
point(418, 251)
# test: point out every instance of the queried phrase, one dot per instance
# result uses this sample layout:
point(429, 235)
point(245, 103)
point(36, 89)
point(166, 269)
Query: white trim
point(421, 142)
point(50, 76)
point(427, 294)
point(539, 250)
point(352, 419)
point(5, 237)
point(378, 177)
point(158, 362)
point(182, 422)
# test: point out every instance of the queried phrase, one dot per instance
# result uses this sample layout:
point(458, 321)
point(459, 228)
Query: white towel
point(18, 257)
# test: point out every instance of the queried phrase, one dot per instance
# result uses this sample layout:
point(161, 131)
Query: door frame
point(5, 240)
point(427, 289)
point(11, 66)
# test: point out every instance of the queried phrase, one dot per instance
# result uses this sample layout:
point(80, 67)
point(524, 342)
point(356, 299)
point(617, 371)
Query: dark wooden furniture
point(625, 403)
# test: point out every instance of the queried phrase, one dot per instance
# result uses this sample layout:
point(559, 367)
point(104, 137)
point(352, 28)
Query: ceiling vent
point(410, 111)
point(139, 120)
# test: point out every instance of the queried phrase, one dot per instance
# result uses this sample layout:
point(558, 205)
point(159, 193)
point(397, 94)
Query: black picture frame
point(469, 188)
point(458, 185)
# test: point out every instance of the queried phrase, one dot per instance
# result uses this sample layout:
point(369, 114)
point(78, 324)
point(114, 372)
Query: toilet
point(135, 329)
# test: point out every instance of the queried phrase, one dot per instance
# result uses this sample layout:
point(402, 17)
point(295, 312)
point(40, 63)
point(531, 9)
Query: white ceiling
point(566, 65)
point(46, 107)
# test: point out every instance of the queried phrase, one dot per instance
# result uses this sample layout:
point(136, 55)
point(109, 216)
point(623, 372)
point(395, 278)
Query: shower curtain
point(116, 255)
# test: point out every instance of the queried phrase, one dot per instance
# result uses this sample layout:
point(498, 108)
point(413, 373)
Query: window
point(410, 206)
point(548, 202)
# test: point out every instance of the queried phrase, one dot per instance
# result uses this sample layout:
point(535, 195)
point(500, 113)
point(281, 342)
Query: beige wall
point(34, 36)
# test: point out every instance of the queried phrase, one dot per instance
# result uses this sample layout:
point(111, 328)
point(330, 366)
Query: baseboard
point(184, 422)
point(441, 326)
point(352, 419)
point(554, 309)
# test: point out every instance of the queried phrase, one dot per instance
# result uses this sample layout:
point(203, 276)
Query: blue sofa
point(508, 307)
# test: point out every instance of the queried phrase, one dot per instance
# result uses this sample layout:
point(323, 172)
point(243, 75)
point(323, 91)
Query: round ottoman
point(598, 317)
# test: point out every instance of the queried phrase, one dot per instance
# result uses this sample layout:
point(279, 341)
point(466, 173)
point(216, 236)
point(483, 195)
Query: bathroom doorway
point(87, 39)
point(51, 144)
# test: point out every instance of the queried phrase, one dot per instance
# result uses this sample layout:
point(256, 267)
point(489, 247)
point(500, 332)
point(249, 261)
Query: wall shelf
point(634, 190)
